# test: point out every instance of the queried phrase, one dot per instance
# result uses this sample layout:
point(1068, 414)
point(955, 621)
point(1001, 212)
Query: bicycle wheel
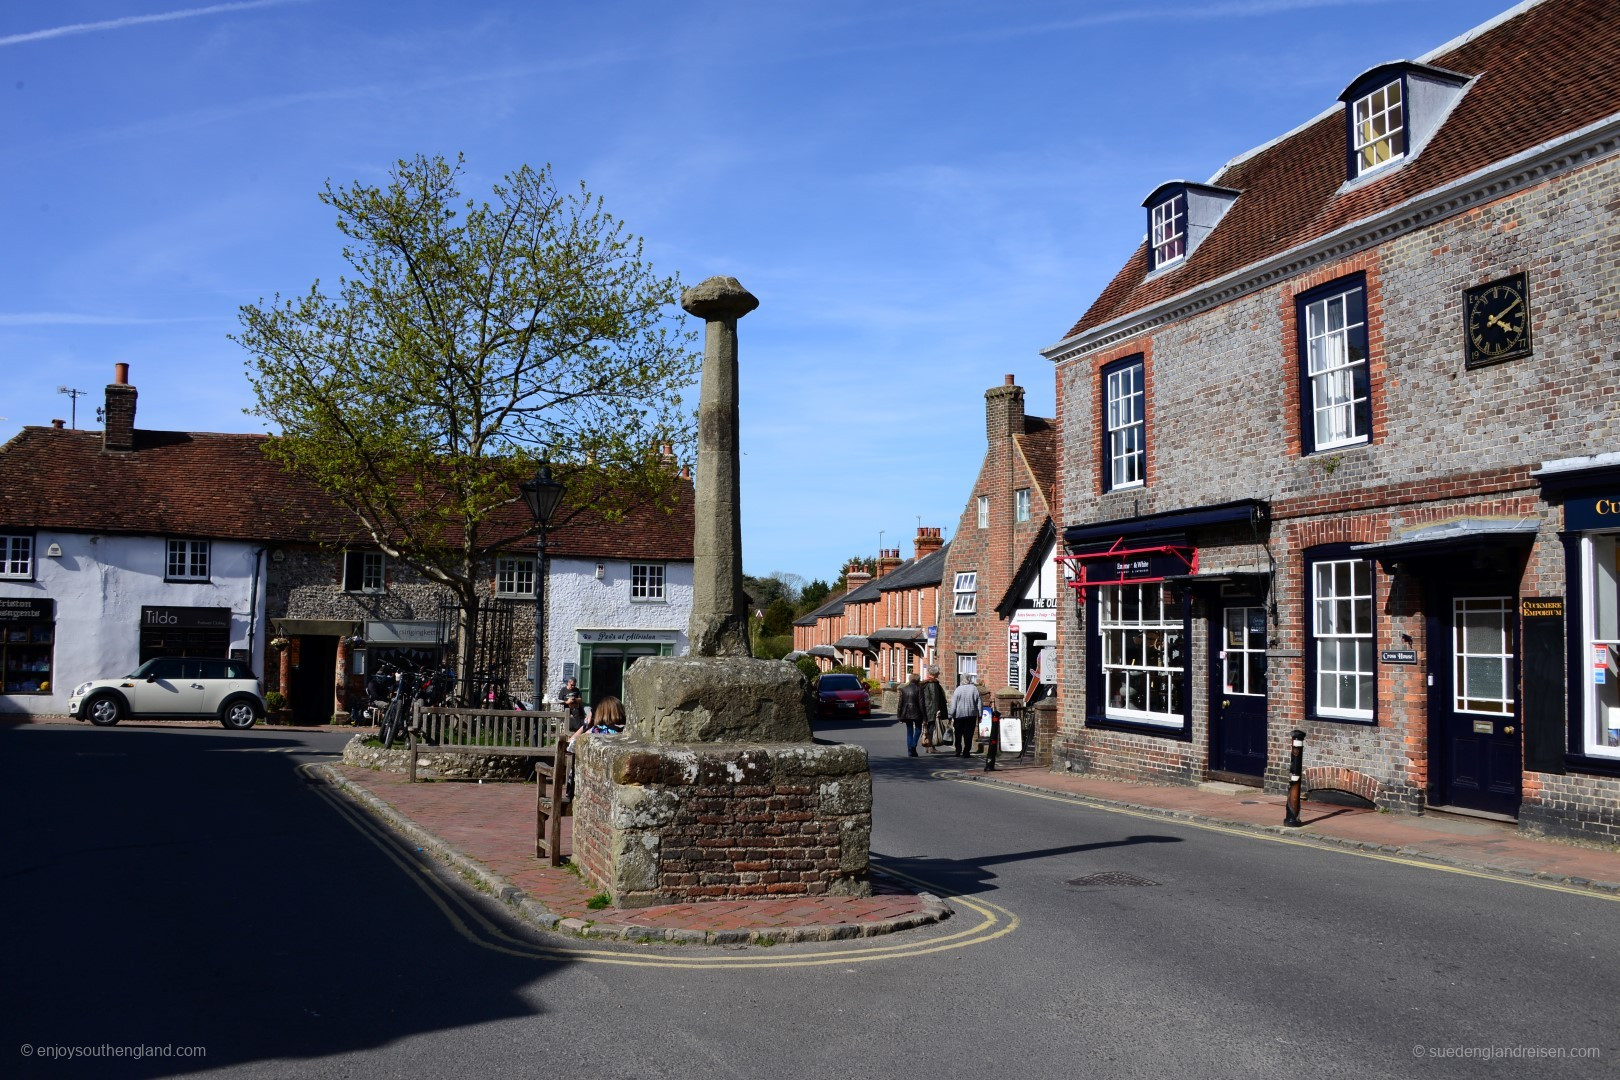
point(392, 727)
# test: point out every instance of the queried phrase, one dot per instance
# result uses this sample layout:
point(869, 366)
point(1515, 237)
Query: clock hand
point(1500, 316)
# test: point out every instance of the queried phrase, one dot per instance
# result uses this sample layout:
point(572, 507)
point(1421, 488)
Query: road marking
point(474, 924)
point(1249, 834)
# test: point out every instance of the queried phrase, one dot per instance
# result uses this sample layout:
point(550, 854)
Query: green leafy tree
point(467, 340)
point(813, 596)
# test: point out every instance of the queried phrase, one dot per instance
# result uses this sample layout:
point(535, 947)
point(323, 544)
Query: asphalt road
point(178, 888)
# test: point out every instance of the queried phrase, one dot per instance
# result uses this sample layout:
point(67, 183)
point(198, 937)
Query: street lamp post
point(542, 494)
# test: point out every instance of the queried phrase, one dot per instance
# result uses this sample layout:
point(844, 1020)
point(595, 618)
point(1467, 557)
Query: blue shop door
point(1238, 717)
point(1473, 703)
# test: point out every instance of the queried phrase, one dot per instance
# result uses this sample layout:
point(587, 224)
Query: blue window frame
point(1124, 424)
point(1335, 391)
point(1341, 624)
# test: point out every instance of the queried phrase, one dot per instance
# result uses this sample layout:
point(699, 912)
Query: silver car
point(187, 687)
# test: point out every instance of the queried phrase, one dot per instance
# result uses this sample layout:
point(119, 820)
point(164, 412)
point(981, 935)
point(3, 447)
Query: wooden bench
point(540, 736)
point(484, 732)
point(551, 804)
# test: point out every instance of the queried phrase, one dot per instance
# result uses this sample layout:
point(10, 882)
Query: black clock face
point(1498, 321)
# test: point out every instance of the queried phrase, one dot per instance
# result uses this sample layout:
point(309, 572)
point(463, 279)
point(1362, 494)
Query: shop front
point(605, 655)
point(27, 640)
point(185, 631)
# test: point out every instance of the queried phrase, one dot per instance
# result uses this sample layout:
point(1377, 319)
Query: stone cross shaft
point(719, 624)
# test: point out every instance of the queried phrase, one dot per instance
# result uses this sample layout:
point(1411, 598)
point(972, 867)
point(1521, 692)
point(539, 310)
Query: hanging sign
point(1014, 655)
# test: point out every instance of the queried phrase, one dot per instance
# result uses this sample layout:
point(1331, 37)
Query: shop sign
point(1145, 566)
point(25, 609)
point(1541, 607)
point(402, 632)
point(1592, 513)
point(1014, 655)
point(186, 618)
point(627, 637)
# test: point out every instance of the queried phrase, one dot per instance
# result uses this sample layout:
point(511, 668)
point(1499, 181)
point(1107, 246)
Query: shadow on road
point(172, 888)
point(965, 877)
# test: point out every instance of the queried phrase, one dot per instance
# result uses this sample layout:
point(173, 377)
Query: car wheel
point(104, 710)
point(239, 715)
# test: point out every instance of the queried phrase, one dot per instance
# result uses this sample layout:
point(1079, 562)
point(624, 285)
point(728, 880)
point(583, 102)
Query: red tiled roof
point(1547, 72)
point(1039, 444)
point(178, 483)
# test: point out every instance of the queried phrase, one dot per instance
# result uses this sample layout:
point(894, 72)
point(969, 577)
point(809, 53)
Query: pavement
point(487, 832)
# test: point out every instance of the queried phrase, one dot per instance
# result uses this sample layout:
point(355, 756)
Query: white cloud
point(139, 20)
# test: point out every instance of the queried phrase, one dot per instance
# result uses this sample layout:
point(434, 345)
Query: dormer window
point(1378, 128)
point(1170, 230)
point(1180, 215)
point(1392, 111)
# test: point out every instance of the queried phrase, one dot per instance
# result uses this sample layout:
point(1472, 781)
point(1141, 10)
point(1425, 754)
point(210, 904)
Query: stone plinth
point(658, 823)
point(733, 699)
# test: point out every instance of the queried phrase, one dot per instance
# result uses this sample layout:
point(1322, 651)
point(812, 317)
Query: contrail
point(137, 20)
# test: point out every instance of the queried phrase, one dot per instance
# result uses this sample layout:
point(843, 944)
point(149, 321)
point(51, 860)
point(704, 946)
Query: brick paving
point(493, 824)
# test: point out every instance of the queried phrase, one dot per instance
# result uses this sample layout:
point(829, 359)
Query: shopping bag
point(984, 723)
point(1012, 736)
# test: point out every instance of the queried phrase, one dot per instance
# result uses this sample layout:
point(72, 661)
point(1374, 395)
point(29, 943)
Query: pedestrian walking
point(936, 710)
point(910, 711)
point(965, 706)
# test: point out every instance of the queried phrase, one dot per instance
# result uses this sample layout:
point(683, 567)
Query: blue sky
point(922, 195)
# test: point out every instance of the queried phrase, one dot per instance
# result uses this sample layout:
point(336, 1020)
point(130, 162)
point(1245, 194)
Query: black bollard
point(1296, 774)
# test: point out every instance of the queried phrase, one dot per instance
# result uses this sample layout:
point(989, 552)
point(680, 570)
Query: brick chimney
point(118, 424)
point(1003, 411)
point(928, 541)
point(855, 577)
point(888, 561)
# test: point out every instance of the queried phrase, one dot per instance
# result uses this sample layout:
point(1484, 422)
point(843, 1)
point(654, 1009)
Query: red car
point(842, 695)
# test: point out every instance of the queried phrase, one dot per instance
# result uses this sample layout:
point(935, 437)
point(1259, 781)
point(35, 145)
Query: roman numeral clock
point(1496, 321)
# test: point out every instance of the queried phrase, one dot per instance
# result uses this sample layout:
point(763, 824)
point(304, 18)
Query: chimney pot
point(121, 374)
point(1007, 380)
point(58, 424)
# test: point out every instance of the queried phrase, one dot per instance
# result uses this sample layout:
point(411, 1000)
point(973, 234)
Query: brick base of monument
point(672, 823)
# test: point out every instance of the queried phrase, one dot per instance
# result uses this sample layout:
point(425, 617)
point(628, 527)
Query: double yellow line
point(472, 923)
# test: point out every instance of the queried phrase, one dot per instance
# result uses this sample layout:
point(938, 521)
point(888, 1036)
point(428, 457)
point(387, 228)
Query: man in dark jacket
point(910, 711)
point(936, 710)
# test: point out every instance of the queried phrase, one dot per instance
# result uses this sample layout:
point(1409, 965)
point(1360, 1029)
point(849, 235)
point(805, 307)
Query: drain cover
point(1110, 878)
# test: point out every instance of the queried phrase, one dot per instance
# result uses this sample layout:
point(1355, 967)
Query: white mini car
point(174, 686)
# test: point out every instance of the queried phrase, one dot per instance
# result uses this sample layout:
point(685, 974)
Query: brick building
point(1340, 449)
point(998, 602)
point(880, 622)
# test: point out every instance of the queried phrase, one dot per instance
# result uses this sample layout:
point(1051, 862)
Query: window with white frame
point(1482, 647)
point(1377, 128)
point(967, 592)
point(1125, 423)
point(188, 561)
point(1333, 336)
point(514, 576)
point(1342, 639)
point(1169, 222)
point(1021, 504)
point(1144, 666)
point(363, 572)
point(646, 582)
point(984, 511)
point(16, 556)
point(1600, 619)
point(967, 668)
